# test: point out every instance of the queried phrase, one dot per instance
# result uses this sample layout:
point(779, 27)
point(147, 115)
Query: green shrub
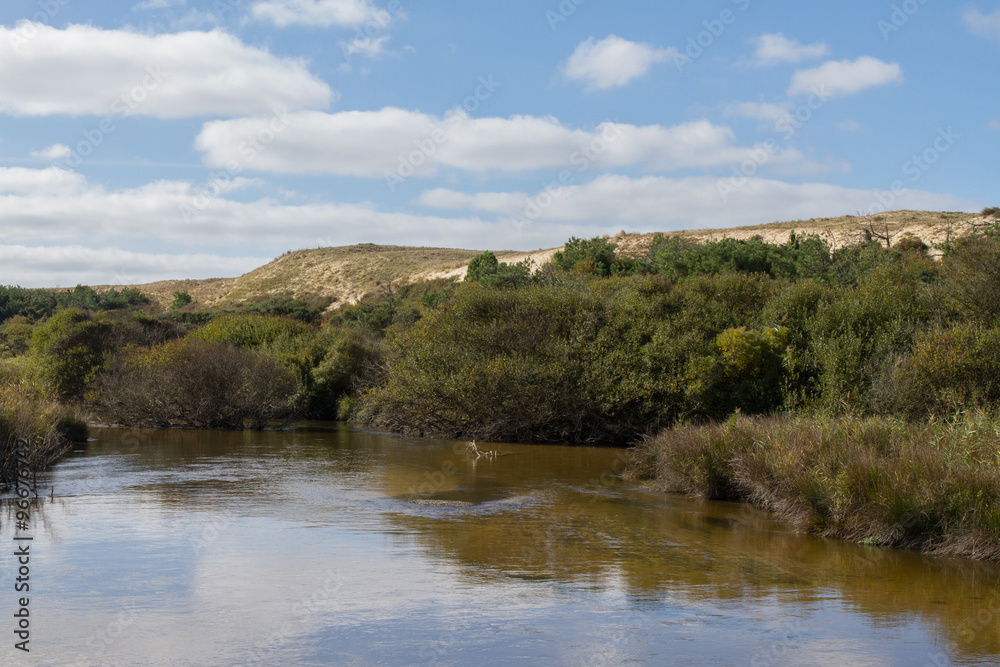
point(745, 373)
point(950, 370)
point(252, 331)
point(596, 256)
point(181, 299)
point(70, 348)
point(15, 336)
point(971, 278)
point(195, 383)
point(335, 362)
point(485, 264)
point(856, 332)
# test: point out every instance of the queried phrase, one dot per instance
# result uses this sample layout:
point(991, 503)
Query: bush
point(334, 363)
point(491, 364)
point(745, 373)
point(485, 264)
point(970, 277)
point(949, 371)
point(15, 336)
point(856, 332)
point(181, 299)
point(596, 256)
point(70, 348)
point(196, 384)
point(252, 331)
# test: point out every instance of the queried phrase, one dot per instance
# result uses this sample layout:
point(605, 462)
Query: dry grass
point(934, 487)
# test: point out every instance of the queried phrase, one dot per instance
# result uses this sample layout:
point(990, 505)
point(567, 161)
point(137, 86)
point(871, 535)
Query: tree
point(485, 264)
point(181, 299)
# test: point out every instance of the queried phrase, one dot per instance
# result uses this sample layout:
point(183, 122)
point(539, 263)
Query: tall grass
point(48, 428)
point(933, 487)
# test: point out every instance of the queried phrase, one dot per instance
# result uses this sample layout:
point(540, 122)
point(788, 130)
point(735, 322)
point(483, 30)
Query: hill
point(345, 274)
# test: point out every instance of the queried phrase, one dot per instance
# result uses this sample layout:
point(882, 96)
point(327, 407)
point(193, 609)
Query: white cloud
point(776, 48)
point(993, 123)
point(54, 233)
point(52, 180)
point(345, 13)
point(375, 143)
point(86, 70)
point(845, 77)
point(370, 47)
point(663, 204)
point(984, 25)
point(612, 62)
point(38, 210)
point(63, 266)
point(759, 111)
point(53, 152)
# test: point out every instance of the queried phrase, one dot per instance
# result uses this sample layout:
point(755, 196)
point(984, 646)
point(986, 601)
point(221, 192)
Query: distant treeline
point(36, 304)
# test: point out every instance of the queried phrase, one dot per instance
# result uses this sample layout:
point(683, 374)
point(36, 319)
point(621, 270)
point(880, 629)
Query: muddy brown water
point(325, 546)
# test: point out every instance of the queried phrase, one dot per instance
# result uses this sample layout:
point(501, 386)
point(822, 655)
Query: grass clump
point(880, 481)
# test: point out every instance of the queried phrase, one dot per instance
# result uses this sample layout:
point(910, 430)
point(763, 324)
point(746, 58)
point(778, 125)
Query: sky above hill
point(150, 139)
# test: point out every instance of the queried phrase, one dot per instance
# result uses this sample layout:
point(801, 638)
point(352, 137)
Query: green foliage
point(32, 304)
point(333, 363)
point(991, 212)
point(971, 277)
point(296, 309)
point(950, 370)
point(181, 299)
point(508, 276)
point(485, 264)
point(70, 348)
point(252, 331)
point(744, 372)
point(195, 383)
point(15, 336)
point(37, 304)
point(592, 257)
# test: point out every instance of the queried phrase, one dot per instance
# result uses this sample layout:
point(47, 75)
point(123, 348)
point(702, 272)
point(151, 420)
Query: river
point(320, 545)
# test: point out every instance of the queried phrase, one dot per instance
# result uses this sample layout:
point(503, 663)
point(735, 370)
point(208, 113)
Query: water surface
point(324, 546)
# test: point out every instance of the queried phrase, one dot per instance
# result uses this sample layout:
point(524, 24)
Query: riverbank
point(932, 487)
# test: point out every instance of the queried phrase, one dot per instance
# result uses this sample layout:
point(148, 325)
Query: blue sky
point(153, 139)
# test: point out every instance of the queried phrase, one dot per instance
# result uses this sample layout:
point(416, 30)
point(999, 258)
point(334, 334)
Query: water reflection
point(321, 545)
